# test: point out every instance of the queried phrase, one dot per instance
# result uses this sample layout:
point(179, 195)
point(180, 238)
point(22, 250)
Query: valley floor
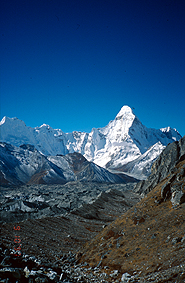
point(147, 241)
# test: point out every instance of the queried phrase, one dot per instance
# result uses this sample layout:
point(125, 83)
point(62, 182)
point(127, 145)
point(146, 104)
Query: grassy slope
point(141, 239)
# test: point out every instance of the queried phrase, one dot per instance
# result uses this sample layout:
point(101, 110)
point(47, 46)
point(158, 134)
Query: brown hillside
point(148, 238)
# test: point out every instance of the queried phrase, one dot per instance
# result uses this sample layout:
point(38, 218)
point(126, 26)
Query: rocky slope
point(148, 241)
point(165, 164)
point(124, 139)
point(25, 165)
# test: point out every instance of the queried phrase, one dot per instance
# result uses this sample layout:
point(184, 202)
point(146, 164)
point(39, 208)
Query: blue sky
point(73, 64)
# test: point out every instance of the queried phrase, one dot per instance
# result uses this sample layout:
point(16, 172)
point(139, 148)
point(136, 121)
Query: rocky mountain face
point(166, 164)
point(26, 165)
point(123, 140)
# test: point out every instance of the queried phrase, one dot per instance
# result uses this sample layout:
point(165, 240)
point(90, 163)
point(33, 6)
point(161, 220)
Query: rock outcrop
point(164, 165)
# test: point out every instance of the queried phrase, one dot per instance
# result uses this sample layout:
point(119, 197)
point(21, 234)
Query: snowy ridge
point(123, 140)
point(25, 165)
point(141, 167)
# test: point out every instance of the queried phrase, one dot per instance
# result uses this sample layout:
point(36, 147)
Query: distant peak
point(45, 125)
point(3, 120)
point(125, 110)
point(6, 119)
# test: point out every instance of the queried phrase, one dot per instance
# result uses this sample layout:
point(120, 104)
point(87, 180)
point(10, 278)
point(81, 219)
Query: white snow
point(124, 139)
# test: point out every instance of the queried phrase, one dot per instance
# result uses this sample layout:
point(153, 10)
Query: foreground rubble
point(28, 269)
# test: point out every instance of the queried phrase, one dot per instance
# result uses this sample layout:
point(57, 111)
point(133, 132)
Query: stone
point(114, 273)
point(5, 261)
point(154, 236)
point(183, 239)
point(104, 275)
point(178, 197)
point(166, 191)
point(125, 277)
point(41, 280)
point(27, 272)
point(99, 263)
point(176, 240)
point(168, 238)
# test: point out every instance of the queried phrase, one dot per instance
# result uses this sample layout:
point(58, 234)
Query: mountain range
point(125, 144)
point(25, 165)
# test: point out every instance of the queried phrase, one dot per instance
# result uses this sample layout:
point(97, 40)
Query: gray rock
point(165, 164)
point(154, 236)
point(166, 191)
point(37, 201)
point(168, 238)
point(176, 240)
point(114, 273)
point(125, 277)
point(178, 197)
point(183, 239)
point(41, 280)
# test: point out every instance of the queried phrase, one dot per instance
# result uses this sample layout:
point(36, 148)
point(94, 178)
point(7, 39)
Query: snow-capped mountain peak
point(125, 112)
point(124, 139)
point(45, 125)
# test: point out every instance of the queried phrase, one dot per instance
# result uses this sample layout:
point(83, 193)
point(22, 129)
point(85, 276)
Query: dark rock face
point(166, 191)
point(77, 161)
point(164, 165)
point(30, 147)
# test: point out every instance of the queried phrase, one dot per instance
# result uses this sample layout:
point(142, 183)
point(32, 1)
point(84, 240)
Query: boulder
point(125, 277)
point(178, 197)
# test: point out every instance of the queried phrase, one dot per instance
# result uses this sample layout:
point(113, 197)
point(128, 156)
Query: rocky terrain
point(55, 240)
point(165, 164)
point(125, 233)
point(37, 201)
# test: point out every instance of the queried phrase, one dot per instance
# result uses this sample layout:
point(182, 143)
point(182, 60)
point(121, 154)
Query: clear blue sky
point(73, 64)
